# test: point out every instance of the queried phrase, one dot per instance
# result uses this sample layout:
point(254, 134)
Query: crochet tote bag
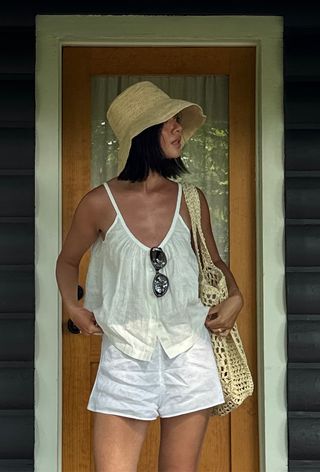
point(235, 375)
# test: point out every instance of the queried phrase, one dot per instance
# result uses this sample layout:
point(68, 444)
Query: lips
point(177, 142)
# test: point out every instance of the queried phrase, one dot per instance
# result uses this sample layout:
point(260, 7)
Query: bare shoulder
point(95, 199)
point(95, 207)
point(200, 192)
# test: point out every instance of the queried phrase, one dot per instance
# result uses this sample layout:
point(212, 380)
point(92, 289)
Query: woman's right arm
point(82, 234)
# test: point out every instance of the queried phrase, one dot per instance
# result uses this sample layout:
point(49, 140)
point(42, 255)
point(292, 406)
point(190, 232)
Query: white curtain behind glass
point(205, 155)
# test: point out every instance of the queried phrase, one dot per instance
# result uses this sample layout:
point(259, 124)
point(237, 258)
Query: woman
point(142, 290)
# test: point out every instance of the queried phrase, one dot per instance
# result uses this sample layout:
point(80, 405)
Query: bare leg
point(181, 441)
point(117, 442)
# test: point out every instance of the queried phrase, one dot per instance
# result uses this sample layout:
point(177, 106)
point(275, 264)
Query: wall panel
point(302, 244)
point(17, 143)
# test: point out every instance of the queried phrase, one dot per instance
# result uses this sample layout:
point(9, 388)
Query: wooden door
point(231, 443)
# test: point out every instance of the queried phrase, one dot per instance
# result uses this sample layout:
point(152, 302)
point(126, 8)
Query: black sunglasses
point(160, 283)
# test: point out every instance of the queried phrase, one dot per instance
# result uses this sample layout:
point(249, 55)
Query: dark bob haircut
point(146, 155)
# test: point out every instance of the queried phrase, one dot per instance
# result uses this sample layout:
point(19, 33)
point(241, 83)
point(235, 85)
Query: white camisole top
point(119, 289)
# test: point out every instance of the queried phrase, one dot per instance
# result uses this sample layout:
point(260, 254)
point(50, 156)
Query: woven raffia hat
point(143, 105)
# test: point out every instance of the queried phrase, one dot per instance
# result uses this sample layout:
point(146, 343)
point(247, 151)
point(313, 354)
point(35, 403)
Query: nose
point(177, 127)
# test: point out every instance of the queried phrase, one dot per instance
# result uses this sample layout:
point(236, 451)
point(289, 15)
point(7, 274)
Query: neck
point(153, 182)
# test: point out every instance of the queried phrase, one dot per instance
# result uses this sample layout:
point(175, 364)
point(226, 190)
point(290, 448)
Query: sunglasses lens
point(160, 284)
point(158, 258)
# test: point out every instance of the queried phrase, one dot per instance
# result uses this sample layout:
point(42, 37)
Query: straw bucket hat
point(143, 105)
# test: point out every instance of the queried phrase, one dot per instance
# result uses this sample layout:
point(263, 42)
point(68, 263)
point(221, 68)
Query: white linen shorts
point(162, 387)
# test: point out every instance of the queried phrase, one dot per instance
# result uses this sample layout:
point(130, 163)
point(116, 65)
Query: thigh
point(117, 442)
point(181, 441)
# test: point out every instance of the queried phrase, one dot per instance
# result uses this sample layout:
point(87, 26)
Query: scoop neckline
point(129, 232)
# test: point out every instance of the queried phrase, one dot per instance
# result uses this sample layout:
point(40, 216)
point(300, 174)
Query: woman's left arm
point(220, 318)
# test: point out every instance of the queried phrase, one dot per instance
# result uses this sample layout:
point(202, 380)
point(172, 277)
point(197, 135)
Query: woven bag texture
point(234, 372)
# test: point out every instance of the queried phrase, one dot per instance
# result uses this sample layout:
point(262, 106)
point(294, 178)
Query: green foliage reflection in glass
point(206, 156)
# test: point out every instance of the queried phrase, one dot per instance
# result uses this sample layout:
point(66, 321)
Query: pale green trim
point(266, 33)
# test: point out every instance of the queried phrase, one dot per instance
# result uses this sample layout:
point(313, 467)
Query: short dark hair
point(146, 154)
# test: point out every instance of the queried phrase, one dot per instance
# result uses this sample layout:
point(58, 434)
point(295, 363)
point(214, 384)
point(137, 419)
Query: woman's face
point(170, 137)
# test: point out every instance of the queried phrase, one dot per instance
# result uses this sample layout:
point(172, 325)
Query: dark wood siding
point(17, 46)
point(302, 201)
point(302, 168)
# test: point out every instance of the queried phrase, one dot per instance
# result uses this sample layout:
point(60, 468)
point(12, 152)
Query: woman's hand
point(85, 321)
point(221, 318)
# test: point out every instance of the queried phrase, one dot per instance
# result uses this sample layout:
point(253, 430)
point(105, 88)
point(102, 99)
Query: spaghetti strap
point(114, 204)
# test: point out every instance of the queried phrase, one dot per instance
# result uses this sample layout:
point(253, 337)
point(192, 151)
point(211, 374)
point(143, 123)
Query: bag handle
point(193, 203)
point(188, 190)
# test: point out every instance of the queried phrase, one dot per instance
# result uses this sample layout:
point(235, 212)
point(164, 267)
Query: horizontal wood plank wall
point(302, 199)
point(17, 247)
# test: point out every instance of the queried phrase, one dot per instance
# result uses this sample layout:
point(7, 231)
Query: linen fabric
point(161, 387)
point(119, 289)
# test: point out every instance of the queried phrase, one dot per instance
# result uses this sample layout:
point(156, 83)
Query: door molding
point(54, 32)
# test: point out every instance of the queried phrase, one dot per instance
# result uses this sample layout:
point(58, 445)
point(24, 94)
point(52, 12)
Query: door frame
point(264, 32)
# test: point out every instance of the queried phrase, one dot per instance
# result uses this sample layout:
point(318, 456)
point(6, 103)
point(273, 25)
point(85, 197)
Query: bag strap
point(193, 203)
